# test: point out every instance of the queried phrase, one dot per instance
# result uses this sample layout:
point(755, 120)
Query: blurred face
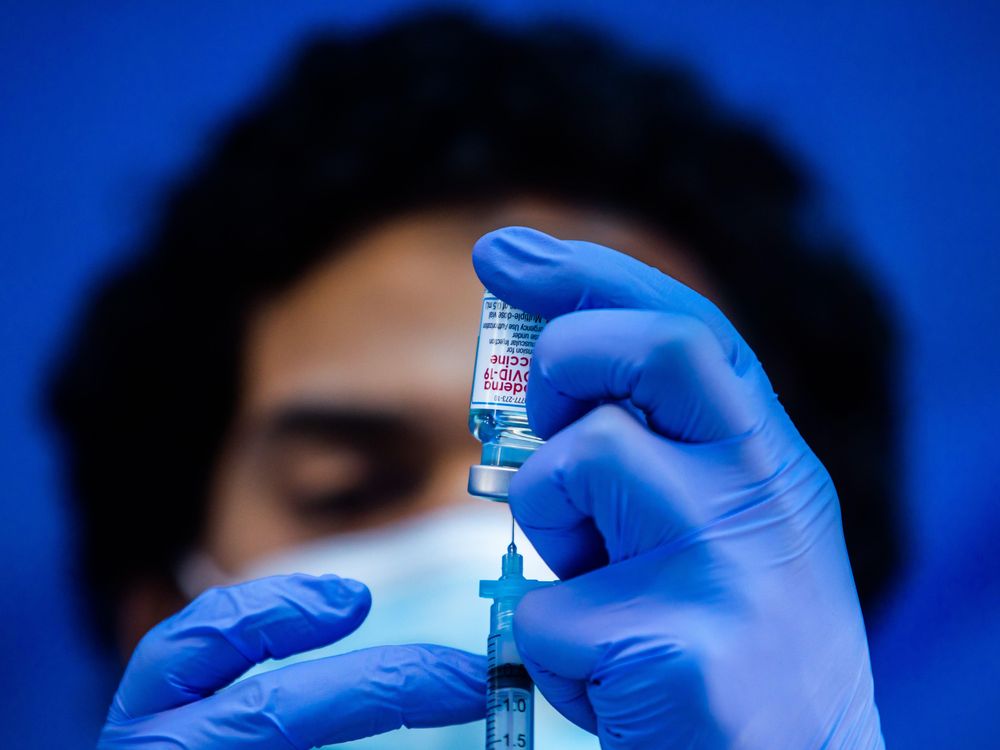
point(356, 381)
point(355, 386)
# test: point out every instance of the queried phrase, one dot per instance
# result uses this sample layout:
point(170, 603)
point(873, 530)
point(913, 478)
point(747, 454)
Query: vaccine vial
point(497, 414)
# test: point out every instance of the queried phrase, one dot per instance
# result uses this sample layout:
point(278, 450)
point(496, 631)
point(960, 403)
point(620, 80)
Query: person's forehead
point(389, 319)
point(390, 322)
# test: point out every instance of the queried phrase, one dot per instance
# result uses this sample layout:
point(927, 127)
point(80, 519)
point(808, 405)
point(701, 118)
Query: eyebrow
point(327, 422)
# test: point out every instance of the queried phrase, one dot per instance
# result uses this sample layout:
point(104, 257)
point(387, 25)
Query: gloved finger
point(326, 701)
point(631, 657)
point(600, 490)
point(568, 696)
point(563, 634)
point(670, 366)
point(225, 631)
point(547, 276)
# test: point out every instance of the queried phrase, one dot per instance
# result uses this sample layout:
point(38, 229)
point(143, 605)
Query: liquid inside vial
point(497, 415)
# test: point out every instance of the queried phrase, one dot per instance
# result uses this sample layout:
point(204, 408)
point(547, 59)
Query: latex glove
point(708, 599)
point(174, 693)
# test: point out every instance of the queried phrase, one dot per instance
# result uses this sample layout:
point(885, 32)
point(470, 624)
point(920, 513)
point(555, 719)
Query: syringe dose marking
point(509, 703)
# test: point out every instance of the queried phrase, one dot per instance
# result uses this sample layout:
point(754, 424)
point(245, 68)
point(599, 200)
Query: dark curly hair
point(442, 109)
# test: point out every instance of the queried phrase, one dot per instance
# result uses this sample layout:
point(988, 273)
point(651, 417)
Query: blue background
point(894, 106)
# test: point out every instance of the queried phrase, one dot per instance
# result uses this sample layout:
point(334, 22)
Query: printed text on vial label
point(506, 340)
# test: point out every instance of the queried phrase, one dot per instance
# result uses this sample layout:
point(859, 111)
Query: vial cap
point(491, 482)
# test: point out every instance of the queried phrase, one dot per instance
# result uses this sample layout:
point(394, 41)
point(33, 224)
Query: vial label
point(507, 339)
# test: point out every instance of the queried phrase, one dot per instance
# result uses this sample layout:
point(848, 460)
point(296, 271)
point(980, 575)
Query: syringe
point(510, 692)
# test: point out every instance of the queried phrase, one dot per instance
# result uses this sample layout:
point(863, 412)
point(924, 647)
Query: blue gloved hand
point(174, 692)
point(707, 599)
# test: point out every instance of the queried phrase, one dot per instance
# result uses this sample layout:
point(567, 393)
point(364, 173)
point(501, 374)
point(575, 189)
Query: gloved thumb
point(559, 672)
point(617, 662)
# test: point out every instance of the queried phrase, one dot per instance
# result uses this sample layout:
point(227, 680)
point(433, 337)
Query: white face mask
point(424, 576)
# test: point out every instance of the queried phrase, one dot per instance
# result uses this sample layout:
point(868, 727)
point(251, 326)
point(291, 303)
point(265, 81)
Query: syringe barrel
point(510, 704)
point(502, 633)
point(502, 617)
point(510, 695)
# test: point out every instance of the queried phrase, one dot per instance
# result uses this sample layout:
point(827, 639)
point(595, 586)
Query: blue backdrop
point(896, 108)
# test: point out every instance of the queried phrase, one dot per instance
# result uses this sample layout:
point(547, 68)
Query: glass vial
point(497, 414)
